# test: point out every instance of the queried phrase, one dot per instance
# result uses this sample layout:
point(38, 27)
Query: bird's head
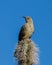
point(28, 19)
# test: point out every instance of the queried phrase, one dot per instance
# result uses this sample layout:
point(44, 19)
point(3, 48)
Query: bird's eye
point(28, 18)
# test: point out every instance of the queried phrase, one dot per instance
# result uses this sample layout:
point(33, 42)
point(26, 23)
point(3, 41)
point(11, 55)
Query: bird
point(27, 29)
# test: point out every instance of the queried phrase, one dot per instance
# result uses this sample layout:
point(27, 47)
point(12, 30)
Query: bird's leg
point(26, 37)
point(28, 40)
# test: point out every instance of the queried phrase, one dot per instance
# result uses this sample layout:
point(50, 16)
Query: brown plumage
point(27, 29)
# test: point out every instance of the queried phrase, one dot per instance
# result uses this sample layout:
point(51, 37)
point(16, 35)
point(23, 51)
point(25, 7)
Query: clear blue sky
point(11, 12)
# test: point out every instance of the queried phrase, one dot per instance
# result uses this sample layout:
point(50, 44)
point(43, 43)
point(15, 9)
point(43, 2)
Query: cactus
point(26, 52)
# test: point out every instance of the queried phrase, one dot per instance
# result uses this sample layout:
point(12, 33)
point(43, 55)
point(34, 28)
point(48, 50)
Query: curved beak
point(24, 17)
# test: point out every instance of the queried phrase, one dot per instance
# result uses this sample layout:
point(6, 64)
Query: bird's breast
point(30, 28)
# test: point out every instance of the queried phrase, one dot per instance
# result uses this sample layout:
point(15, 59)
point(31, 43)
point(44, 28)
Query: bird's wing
point(23, 29)
point(22, 32)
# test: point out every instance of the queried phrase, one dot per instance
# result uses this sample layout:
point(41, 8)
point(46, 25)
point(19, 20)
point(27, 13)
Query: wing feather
point(22, 32)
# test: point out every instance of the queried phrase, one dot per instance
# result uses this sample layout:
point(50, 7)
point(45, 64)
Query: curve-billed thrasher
point(27, 29)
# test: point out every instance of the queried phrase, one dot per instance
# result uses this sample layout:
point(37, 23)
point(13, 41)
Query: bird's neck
point(29, 23)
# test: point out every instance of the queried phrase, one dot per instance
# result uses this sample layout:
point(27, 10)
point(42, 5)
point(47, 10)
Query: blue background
point(11, 12)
